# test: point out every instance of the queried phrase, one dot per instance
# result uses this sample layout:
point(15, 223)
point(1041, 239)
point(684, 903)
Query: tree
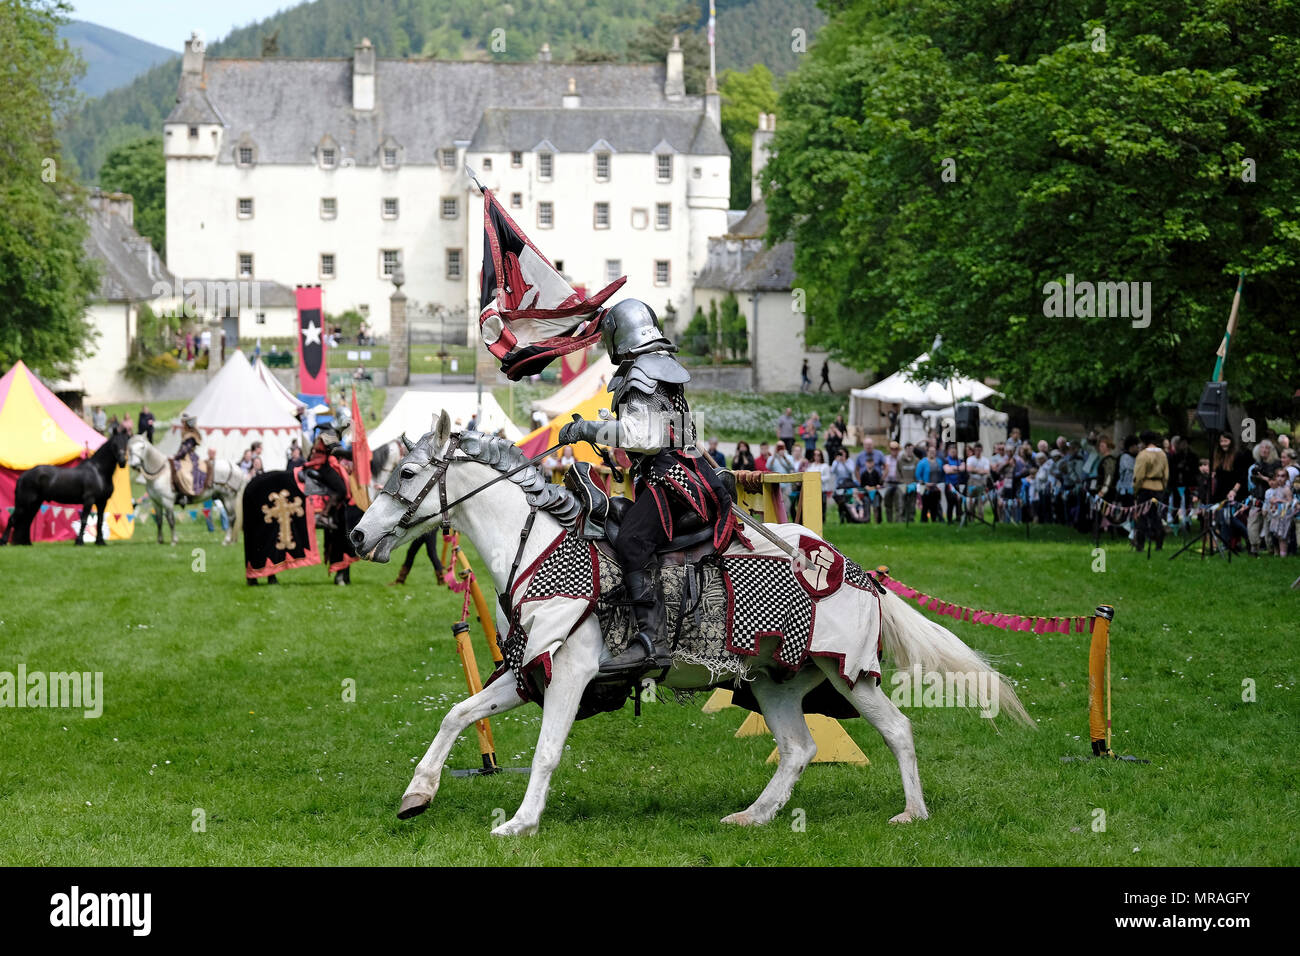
point(939, 164)
point(653, 41)
point(45, 279)
point(735, 331)
point(138, 168)
point(744, 96)
point(695, 338)
point(714, 328)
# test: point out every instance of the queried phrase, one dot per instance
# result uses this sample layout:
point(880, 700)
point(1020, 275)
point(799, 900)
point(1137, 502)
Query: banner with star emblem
point(313, 374)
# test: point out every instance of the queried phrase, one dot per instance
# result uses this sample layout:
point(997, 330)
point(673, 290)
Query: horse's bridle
point(438, 479)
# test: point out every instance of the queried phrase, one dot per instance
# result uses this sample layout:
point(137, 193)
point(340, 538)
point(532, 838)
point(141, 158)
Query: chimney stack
point(192, 61)
point(760, 152)
point(674, 82)
point(544, 54)
point(363, 76)
point(571, 99)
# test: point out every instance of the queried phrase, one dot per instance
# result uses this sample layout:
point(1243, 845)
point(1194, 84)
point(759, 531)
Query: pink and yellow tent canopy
point(537, 441)
point(38, 429)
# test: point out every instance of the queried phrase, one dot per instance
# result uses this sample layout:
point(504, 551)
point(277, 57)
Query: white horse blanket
point(824, 605)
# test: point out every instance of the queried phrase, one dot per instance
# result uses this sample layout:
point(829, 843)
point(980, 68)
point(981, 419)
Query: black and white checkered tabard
point(858, 578)
point(768, 600)
point(566, 570)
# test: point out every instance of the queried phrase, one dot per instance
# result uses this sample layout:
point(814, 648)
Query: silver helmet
point(631, 328)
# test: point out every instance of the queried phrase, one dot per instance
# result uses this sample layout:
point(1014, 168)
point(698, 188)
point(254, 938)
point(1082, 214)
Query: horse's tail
point(239, 511)
point(919, 644)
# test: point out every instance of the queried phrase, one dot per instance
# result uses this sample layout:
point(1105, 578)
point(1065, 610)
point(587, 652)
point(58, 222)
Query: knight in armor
point(673, 479)
point(318, 465)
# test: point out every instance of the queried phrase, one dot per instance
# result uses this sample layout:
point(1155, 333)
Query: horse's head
point(135, 452)
point(409, 501)
point(117, 441)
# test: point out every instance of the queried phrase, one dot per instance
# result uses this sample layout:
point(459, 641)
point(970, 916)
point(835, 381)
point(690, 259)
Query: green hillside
point(749, 31)
point(112, 59)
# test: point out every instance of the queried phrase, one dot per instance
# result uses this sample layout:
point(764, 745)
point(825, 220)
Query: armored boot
point(648, 649)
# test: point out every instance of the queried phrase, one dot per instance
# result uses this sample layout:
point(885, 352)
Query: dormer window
point(244, 156)
point(664, 168)
point(328, 158)
point(545, 165)
point(448, 158)
point(389, 157)
point(602, 167)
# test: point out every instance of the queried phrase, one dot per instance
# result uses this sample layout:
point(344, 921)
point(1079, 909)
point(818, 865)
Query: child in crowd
point(1277, 509)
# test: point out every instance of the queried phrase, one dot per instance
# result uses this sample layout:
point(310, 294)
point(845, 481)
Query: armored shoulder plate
point(645, 373)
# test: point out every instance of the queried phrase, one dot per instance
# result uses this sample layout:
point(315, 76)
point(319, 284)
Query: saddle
point(602, 517)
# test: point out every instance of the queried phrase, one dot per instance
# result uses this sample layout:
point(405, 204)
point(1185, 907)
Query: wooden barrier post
point(1099, 725)
point(482, 608)
point(465, 648)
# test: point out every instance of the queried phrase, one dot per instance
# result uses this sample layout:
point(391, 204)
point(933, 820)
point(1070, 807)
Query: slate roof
point(576, 130)
point(740, 262)
point(128, 265)
point(270, 294)
point(288, 105)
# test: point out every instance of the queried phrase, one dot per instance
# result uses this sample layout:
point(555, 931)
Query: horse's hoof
point(79, 542)
point(413, 804)
point(907, 816)
point(741, 819)
point(511, 828)
point(101, 543)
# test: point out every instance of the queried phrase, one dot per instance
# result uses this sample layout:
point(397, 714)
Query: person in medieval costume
point(188, 472)
point(653, 425)
point(322, 469)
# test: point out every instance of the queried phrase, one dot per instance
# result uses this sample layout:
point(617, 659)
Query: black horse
point(89, 484)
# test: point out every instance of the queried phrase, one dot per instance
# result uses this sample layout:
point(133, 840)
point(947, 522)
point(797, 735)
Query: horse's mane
point(503, 455)
point(105, 451)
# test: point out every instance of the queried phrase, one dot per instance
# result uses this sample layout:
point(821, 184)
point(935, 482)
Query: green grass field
point(228, 699)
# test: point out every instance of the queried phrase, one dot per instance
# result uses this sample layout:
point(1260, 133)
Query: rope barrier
point(1037, 623)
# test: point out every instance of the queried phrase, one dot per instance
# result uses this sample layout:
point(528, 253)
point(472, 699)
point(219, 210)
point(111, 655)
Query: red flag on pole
point(313, 374)
point(360, 445)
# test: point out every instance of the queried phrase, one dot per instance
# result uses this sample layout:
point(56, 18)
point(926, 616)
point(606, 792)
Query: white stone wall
point(286, 234)
point(776, 344)
point(100, 375)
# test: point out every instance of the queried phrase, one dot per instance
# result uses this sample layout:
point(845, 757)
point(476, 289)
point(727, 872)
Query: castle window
point(390, 156)
point(516, 159)
point(487, 163)
point(663, 215)
point(327, 265)
point(261, 318)
point(245, 208)
point(389, 260)
point(244, 156)
point(516, 200)
point(661, 272)
point(449, 207)
point(194, 132)
point(390, 208)
point(600, 217)
point(664, 167)
point(453, 263)
point(545, 215)
point(640, 219)
point(245, 265)
point(602, 167)
point(545, 164)
point(613, 269)
point(449, 159)
point(329, 207)
point(328, 158)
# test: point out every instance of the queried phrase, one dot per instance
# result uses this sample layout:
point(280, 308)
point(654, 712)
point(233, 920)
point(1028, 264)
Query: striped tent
point(38, 429)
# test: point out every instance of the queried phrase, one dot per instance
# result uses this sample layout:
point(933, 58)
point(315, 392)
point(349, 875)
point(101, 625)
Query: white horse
point(440, 470)
point(226, 485)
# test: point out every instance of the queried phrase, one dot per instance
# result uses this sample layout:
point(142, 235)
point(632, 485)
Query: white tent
point(234, 410)
point(587, 383)
point(287, 399)
point(909, 389)
point(416, 411)
point(914, 425)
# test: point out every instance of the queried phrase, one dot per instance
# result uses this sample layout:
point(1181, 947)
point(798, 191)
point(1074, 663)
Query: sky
point(169, 23)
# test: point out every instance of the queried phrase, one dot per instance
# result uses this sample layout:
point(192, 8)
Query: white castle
point(337, 171)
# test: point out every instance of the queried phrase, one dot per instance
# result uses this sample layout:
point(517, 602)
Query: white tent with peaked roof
point(236, 409)
point(291, 402)
point(910, 389)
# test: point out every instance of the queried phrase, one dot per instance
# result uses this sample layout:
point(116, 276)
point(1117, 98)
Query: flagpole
point(713, 66)
point(1232, 327)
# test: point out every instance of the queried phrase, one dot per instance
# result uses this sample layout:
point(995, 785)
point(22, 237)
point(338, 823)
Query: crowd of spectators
point(1141, 488)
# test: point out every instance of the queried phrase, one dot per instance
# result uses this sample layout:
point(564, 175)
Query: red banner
point(313, 372)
